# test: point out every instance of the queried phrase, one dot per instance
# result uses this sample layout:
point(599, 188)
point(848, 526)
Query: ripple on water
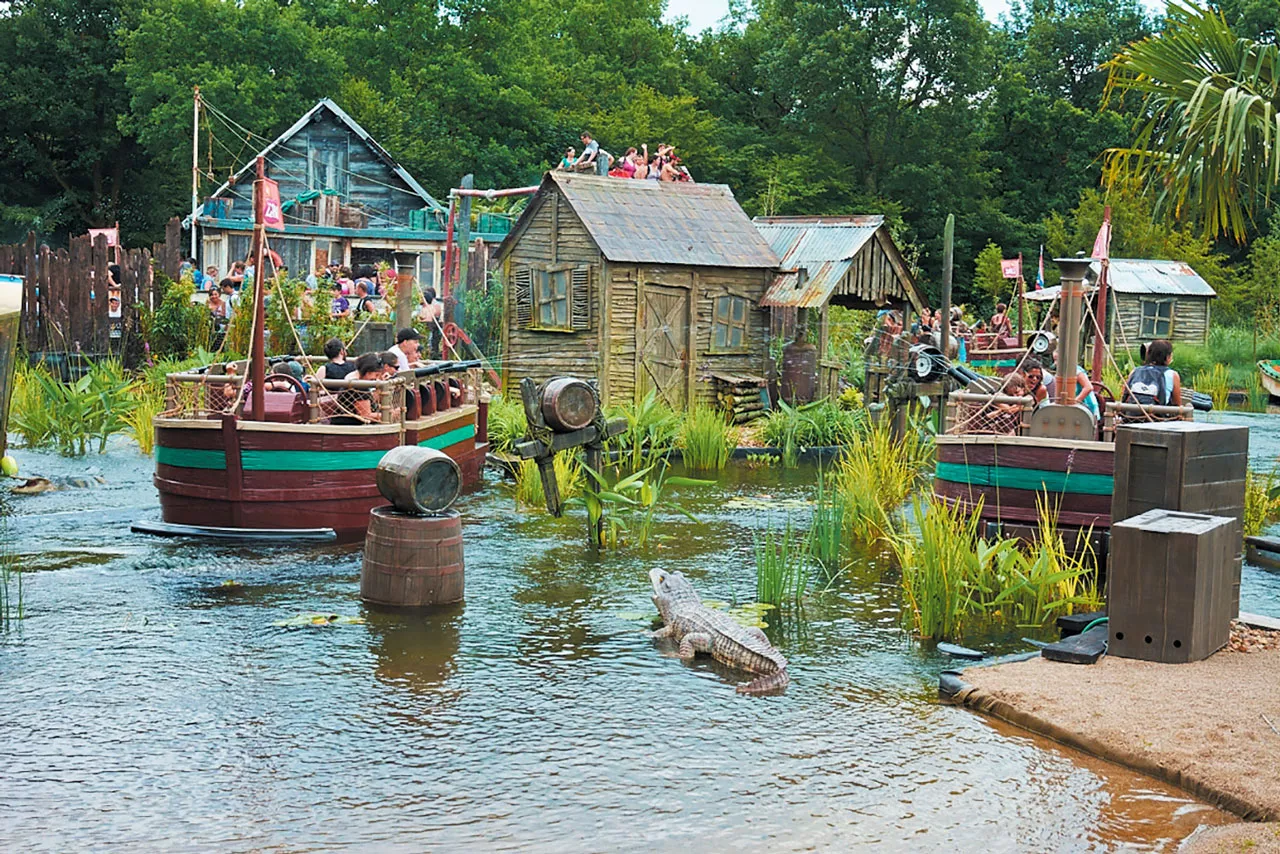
point(149, 705)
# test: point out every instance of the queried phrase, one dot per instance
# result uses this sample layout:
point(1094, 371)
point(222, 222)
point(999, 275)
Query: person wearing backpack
point(1154, 383)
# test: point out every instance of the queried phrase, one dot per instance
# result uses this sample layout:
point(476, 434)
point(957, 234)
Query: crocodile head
point(670, 590)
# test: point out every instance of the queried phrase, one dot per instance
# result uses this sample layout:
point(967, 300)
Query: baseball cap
point(408, 334)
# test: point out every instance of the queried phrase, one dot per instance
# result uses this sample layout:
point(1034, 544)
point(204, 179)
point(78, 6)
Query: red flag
point(1102, 243)
point(272, 213)
point(1011, 268)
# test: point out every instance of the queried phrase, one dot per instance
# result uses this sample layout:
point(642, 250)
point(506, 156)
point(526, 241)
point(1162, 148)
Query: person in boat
point(1037, 378)
point(408, 342)
point(1081, 395)
point(1008, 416)
point(390, 365)
point(357, 405)
point(1000, 325)
point(1154, 383)
point(337, 367)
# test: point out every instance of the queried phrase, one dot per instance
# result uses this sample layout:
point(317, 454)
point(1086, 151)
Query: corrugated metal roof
point(655, 222)
point(822, 247)
point(1144, 276)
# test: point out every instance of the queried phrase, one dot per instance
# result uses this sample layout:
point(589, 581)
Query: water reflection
point(415, 649)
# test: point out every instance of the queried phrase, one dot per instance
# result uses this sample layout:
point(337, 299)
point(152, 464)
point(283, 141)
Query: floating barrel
point(568, 404)
point(411, 561)
point(418, 480)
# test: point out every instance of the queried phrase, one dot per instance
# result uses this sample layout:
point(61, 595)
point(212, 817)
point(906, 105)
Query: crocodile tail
point(772, 683)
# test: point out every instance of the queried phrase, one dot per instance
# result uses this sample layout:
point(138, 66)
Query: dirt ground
point(1248, 838)
point(1212, 727)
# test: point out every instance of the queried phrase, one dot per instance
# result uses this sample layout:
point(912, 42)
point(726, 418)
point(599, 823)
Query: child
point(1007, 417)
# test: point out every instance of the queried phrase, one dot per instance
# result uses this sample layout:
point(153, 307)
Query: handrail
point(976, 397)
point(1147, 409)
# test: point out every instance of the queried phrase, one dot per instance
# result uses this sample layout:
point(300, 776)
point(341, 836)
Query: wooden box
point(1170, 588)
point(1183, 465)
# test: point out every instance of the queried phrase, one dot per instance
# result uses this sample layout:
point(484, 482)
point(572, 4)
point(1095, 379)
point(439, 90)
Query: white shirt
point(402, 361)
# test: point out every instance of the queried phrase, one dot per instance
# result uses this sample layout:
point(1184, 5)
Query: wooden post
point(948, 245)
point(464, 249)
point(258, 369)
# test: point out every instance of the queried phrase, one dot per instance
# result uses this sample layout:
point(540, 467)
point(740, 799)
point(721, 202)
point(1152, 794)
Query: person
point(344, 281)
point(364, 302)
point(1008, 416)
point(593, 158)
point(1038, 379)
point(390, 365)
point(211, 277)
point(1000, 325)
point(357, 404)
point(1081, 395)
point(113, 306)
point(188, 266)
point(236, 276)
point(337, 367)
point(1154, 383)
point(566, 162)
point(627, 165)
point(641, 161)
point(406, 349)
point(431, 312)
point(216, 304)
point(339, 306)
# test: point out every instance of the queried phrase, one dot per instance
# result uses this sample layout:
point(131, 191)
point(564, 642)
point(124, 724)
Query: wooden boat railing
point(970, 412)
point(201, 396)
point(1115, 414)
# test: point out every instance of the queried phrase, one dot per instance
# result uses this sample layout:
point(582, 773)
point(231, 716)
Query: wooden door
point(664, 345)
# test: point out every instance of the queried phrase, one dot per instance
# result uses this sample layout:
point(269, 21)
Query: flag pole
point(1022, 286)
point(258, 365)
point(1100, 318)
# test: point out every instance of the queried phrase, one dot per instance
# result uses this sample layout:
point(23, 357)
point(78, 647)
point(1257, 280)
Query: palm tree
point(1212, 107)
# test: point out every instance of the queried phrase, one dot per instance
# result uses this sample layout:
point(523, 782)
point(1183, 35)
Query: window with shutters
point(729, 325)
point(1157, 318)
point(553, 300)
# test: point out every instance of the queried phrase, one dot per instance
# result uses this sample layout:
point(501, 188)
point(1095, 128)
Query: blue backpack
point(1147, 386)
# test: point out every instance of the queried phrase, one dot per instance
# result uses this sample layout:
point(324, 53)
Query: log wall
point(1190, 318)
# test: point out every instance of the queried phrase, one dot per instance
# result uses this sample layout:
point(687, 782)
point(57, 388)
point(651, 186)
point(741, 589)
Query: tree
point(988, 277)
point(1206, 148)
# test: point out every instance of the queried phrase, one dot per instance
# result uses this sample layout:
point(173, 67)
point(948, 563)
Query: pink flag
point(1011, 268)
point(272, 214)
point(1102, 244)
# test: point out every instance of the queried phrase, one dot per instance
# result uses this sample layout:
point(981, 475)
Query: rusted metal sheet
point(1145, 276)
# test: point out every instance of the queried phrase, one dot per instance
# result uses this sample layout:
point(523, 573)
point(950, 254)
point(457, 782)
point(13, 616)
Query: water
point(147, 705)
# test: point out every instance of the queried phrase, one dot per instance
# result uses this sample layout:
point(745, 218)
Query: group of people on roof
point(635, 164)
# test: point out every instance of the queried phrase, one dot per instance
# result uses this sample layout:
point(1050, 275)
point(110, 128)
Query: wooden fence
point(65, 310)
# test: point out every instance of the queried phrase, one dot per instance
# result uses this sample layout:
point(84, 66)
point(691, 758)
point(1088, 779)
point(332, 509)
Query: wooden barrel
point(418, 480)
point(568, 404)
point(412, 561)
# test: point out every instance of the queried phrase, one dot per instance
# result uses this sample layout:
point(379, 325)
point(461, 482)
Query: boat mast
point(1069, 311)
point(258, 365)
point(195, 165)
point(1100, 334)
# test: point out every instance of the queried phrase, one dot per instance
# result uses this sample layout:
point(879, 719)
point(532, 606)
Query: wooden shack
point(848, 261)
point(345, 200)
point(639, 284)
point(1155, 299)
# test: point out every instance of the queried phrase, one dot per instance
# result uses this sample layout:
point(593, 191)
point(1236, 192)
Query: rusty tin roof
point(654, 222)
point(1145, 276)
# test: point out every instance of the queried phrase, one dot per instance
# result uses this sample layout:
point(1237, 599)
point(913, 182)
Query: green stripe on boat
point(453, 437)
point(1008, 477)
point(191, 458)
point(994, 363)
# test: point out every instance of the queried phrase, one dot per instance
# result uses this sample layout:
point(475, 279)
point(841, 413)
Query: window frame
point(726, 321)
point(1153, 321)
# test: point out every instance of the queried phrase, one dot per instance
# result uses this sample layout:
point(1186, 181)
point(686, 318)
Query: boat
point(231, 454)
point(1057, 459)
point(1269, 376)
point(10, 329)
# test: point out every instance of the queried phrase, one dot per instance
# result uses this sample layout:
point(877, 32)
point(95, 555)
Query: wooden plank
point(1101, 461)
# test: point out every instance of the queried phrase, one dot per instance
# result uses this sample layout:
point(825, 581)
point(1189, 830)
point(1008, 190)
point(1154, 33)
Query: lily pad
point(319, 620)
point(767, 502)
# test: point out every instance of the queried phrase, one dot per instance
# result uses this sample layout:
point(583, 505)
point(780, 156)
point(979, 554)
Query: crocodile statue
point(697, 628)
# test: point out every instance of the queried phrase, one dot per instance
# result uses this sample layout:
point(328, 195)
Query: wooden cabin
point(639, 284)
point(1155, 299)
point(345, 199)
point(848, 261)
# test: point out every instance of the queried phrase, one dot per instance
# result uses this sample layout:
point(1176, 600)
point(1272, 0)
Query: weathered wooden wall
point(713, 282)
point(1190, 318)
point(874, 279)
point(64, 309)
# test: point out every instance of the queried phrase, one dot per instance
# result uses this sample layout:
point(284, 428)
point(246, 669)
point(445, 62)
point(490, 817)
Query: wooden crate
point(1187, 466)
point(1170, 588)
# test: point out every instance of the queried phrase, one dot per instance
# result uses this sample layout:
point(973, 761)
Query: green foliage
point(820, 424)
point(1216, 383)
point(507, 424)
point(1261, 501)
point(875, 478)
point(68, 416)
point(652, 430)
point(826, 533)
point(988, 278)
point(627, 509)
point(706, 438)
point(569, 481)
point(482, 316)
point(179, 326)
point(782, 565)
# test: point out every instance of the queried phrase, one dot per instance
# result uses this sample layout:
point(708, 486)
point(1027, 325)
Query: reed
point(652, 429)
point(1215, 382)
point(138, 420)
point(813, 425)
point(782, 565)
point(707, 439)
point(507, 423)
point(68, 416)
point(1038, 581)
point(12, 607)
point(28, 415)
point(939, 566)
point(1261, 501)
point(876, 477)
point(826, 533)
point(1259, 397)
point(569, 480)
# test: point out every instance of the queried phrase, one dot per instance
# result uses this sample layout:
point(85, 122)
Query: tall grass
point(876, 477)
point(138, 421)
point(820, 424)
point(507, 424)
point(1261, 501)
point(69, 416)
point(782, 565)
point(12, 606)
point(1258, 396)
point(1215, 382)
point(826, 533)
point(652, 429)
point(952, 577)
point(706, 438)
point(569, 481)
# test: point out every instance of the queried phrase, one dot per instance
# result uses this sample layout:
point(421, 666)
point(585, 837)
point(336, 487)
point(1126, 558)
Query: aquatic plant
point(569, 481)
point(1040, 580)
point(877, 475)
point(652, 428)
point(782, 565)
point(826, 532)
point(706, 438)
point(1261, 501)
point(1258, 396)
point(940, 563)
point(1216, 383)
point(822, 423)
point(138, 420)
point(626, 509)
point(28, 416)
point(12, 607)
point(507, 423)
point(68, 416)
